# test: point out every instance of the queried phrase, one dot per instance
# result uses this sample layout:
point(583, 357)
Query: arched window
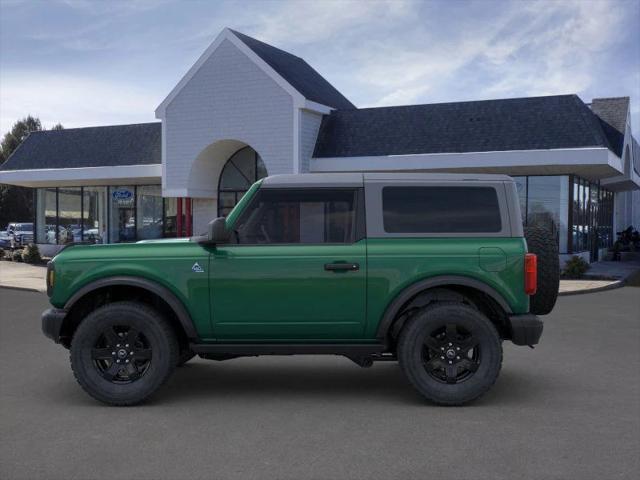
point(243, 168)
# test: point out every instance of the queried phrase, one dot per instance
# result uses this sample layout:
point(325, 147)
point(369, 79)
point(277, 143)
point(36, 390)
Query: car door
point(297, 269)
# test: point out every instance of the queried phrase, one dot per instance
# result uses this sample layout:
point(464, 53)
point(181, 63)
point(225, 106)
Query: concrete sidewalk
point(23, 276)
point(600, 276)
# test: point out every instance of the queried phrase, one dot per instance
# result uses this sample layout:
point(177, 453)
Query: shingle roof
point(298, 73)
point(532, 123)
point(612, 110)
point(115, 145)
point(613, 116)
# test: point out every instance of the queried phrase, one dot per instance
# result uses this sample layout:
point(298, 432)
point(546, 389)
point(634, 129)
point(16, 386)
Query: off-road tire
point(541, 242)
point(412, 358)
point(155, 330)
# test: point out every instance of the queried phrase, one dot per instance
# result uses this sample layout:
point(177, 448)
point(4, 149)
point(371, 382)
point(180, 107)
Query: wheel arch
point(88, 297)
point(446, 287)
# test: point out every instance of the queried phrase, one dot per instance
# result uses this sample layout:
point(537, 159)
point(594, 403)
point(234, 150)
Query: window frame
point(359, 231)
point(375, 218)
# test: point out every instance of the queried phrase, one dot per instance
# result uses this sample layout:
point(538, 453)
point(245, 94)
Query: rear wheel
point(450, 352)
point(122, 352)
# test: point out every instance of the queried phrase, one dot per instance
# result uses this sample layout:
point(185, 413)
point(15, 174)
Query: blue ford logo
point(122, 194)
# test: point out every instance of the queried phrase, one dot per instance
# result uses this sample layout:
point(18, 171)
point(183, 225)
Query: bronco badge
point(197, 268)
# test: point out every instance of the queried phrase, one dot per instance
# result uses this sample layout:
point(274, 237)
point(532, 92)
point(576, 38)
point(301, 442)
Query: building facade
point(246, 110)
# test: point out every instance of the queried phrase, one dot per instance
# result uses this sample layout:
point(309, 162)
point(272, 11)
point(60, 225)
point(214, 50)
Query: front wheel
point(123, 352)
point(450, 352)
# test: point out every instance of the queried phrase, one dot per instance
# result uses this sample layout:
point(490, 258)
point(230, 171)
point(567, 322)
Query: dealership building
point(246, 110)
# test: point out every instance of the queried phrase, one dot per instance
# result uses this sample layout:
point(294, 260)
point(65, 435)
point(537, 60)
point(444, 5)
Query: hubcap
point(121, 354)
point(451, 354)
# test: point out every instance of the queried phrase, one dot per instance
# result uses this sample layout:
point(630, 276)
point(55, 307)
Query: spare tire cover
point(541, 241)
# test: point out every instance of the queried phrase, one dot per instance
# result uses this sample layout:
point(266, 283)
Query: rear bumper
point(525, 329)
point(52, 320)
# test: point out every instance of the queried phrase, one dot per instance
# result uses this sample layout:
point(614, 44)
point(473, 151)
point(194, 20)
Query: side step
point(252, 349)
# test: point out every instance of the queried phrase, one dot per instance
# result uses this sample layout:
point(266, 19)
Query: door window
point(310, 216)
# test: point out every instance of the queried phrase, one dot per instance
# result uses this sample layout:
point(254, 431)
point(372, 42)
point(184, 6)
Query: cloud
point(73, 101)
point(533, 48)
point(296, 22)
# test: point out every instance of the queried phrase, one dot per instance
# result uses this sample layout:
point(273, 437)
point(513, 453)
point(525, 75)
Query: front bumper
point(52, 320)
point(525, 329)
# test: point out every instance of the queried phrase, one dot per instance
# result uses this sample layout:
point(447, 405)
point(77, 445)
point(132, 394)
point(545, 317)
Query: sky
point(86, 63)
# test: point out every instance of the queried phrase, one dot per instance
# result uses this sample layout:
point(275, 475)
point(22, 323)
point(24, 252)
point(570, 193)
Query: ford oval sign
point(122, 194)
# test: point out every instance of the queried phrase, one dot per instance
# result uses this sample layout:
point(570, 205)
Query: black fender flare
point(163, 292)
point(444, 280)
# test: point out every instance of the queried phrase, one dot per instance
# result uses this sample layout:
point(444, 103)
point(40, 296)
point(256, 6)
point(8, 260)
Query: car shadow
point(382, 383)
point(340, 382)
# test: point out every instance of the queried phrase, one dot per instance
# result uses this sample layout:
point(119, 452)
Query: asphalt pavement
point(570, 409)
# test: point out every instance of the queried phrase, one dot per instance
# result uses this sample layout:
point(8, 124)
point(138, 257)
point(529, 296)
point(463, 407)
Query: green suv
point(431, 270)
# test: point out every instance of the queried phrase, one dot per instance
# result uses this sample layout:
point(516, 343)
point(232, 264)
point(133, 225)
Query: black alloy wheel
point(451, 354)
point(122, 354)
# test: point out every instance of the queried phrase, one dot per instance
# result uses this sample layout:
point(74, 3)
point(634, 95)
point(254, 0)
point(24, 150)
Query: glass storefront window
point(592, 213)
point(69, 215)
point(122, 217)
point(94, 214)
point(149, 210)
point(170, 215)
point(103, 214)
point(46, 215)
point(548, 205)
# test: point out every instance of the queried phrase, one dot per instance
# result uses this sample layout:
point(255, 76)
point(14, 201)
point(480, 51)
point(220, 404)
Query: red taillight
point(530, 273)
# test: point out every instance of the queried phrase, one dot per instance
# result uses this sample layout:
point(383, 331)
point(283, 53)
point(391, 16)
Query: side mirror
point(218, 232)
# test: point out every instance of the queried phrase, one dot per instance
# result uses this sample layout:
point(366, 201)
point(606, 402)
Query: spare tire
point(541, 241)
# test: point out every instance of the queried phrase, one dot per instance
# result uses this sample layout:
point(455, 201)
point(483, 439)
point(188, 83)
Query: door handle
point(341, 267)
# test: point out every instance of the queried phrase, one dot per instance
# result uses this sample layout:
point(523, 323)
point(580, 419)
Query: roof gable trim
point(299, 100)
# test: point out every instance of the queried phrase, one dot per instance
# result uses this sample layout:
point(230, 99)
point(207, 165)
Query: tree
point(16, 203)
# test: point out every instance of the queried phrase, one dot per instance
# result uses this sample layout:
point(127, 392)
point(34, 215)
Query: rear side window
point(440, 210)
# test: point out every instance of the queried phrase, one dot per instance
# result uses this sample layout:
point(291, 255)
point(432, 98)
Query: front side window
point(310, 216)
point(440, 210)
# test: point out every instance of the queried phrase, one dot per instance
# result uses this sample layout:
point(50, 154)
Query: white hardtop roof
point(358, 179)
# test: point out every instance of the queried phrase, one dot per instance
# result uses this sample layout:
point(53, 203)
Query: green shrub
point(16, 256)
point(1, 253)
point(575, 267)
point(31, 254)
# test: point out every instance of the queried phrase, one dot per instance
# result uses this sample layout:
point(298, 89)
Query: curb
point(613, 286)
point(25, 289)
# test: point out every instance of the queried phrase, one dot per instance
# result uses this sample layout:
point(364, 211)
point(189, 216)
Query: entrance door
point(297, 271)
point(122, 222)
